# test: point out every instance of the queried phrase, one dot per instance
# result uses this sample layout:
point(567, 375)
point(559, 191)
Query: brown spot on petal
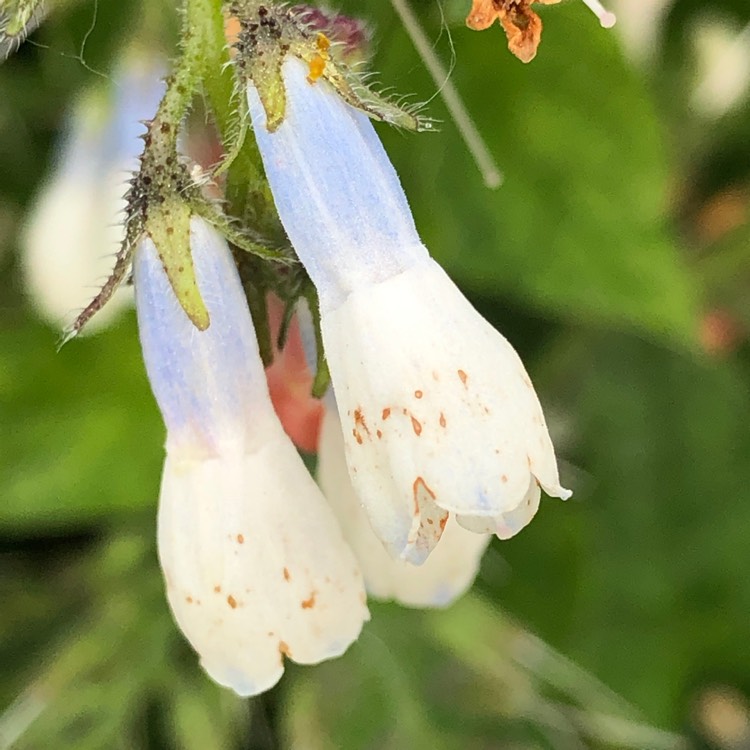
point(357, 436)
point(309, 603)
point(504, 478)
point(442, 419)
point(386, 414)
point(189, 599)
point(359, 420)
point(232, 602)
point(417, 425)
point(284, 649)
point(464, 377)
point(240, 539)
point(415, 488)
point(287, 576)
point(443, 521)
point(217, 589)
point(418, 394)
point(379, 434)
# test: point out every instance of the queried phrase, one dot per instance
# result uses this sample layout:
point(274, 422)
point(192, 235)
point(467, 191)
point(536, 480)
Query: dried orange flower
point(521, 24)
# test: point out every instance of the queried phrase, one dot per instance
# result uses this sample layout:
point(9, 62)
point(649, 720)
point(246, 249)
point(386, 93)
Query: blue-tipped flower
point(439, 415)
point(254, 561)
point(76, 225)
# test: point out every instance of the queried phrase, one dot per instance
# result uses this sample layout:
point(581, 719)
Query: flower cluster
point(430, 438)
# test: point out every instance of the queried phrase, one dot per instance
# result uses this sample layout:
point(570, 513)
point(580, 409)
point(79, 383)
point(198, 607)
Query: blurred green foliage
point(599, 258)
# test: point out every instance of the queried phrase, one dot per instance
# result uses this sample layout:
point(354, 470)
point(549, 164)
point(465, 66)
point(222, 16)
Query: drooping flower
point(439, 415)
point(446, 574)
point(255, 565)
point(75, 226)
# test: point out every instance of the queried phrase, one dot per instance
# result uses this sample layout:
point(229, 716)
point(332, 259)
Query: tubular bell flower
point(255, 564)
point(75, 227)
point(439, 416)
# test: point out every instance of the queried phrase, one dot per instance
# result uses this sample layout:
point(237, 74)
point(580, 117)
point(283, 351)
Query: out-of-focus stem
point(484, 160)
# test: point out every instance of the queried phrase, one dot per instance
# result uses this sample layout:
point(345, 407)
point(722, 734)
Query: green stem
point(229, 110)
point(191, 67)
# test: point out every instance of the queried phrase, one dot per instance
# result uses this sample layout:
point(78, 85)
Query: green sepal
point(168, 225)
point(242, 238)
point(267, 79)
point(322, 375)
point(17, 19)
point(269, 33)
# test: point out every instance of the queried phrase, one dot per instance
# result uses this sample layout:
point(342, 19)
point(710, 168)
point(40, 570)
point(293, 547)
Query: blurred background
point(615, 257)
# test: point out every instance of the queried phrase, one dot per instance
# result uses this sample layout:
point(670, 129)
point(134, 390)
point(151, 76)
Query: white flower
point(640, 24)
point(255, 564)
point(75, 226)
point(723, 66)
point(445, 575)
point(438, 413)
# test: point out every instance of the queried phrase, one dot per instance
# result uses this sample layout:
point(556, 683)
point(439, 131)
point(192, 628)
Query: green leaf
point(658, 599)
point(90, 690)
point(380, 694)
point(83, 438)
point(203, 716)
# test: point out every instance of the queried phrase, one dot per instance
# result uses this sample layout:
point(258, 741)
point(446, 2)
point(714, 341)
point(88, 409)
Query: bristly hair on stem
point(162, 194)
point(18, 18)
point(268, 33)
